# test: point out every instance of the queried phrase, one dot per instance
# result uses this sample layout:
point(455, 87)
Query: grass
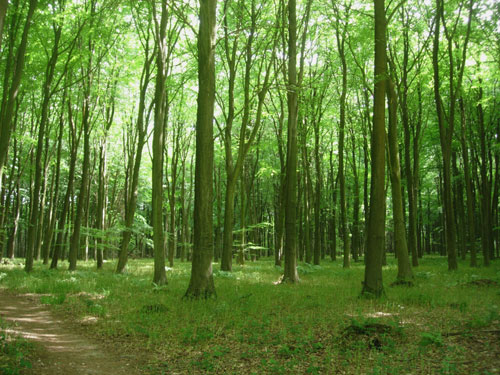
point(14, 352)
point(442, 325)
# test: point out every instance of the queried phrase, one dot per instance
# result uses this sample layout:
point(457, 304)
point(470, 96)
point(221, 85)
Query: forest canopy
point(108, 111)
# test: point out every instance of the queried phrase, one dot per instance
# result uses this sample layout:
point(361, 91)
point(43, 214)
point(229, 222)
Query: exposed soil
point(59, 348)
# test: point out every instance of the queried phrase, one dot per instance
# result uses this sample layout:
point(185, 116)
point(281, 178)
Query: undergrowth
point(443, 324)
point(14, 352)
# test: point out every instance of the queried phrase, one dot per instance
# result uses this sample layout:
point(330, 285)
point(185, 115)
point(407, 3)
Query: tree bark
point(486, 217)
point(55, 199)
point(356, 237)
point(11, 91)
point(372, 285)
point(405, 273)
point(201, 284)
point(3, 11)
point(81, 204)
point(160, 277)
point(290, 250)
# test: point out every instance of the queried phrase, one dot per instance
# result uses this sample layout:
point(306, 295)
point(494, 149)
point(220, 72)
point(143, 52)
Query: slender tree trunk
point(47, 245)
point(290, 250)
point(218, 195)
point(227, 253)
point(280, 220)
point(172, 236)
point(11, 242)
point(405, 274)
point(201, 284)
point(458, 202)
point(333, 221)
point(3, 11)
point(100, 222)
point(308, 250)
point(317, 200)
point(372, 284)
point(81, 204)
point(356, 240)
point(47, 233)
point(60, 243)
point(243, 213)
point(160, 277)
point(11, 91)
point(343, 203)
point(486, 217)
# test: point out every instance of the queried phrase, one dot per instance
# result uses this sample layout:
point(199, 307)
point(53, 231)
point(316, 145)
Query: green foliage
point(431, 338)
point(53, 300)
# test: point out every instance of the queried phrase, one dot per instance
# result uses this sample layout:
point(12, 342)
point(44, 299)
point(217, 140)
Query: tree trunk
point(60, 243)
point(343, 203)
point(201, 284)
point(11, 91)
point(227, 253)
point(486, 217)
point(160, 277)
point(356, 238)
point(333, 221)
point(317, 199)
point(84, 186)
point(372, 285)
point(100, 222)
point(405, 274)
point(3, 11)
point(290, 250)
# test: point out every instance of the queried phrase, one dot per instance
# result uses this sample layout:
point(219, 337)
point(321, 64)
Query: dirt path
point(60, 350)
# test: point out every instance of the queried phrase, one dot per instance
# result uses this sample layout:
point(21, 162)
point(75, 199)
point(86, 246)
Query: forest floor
point(54, 345)
point(447, 323)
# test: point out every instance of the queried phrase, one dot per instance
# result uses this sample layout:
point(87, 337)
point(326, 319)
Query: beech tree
point(372, 284)
point(290, 250)
point(201, 284)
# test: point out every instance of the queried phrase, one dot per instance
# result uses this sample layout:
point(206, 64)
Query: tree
point(12, 80)
point(290, 250)
point(446, 121)
point(201, 284)
point(405, 274)
point(160, 103)
point(372, 285)
point(340, 34)
point(3, 10)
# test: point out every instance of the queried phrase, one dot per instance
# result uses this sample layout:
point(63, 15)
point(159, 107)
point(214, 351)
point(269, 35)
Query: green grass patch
point(257, 327)
point(14, 352)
